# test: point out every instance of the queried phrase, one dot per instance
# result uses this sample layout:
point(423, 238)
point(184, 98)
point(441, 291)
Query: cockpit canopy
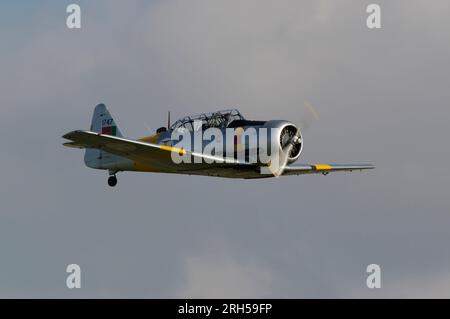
point(218, 119)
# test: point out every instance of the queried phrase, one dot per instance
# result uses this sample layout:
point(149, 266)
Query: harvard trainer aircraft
point(107, 149)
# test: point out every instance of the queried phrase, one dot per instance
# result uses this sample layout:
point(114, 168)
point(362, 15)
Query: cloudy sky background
point(382, 95)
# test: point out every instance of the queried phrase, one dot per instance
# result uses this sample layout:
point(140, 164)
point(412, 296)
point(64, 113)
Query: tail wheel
point(112, 181)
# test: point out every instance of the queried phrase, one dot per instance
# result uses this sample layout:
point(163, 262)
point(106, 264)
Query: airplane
point(107, 149)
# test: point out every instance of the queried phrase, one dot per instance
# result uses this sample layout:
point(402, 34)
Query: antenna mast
point(168, 121)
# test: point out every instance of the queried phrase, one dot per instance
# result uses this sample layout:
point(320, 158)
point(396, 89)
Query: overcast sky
point(382, 96)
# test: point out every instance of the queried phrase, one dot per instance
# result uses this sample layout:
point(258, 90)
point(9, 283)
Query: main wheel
point(112, 181)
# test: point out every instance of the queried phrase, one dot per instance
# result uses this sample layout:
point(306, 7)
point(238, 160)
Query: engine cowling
point(282, 133)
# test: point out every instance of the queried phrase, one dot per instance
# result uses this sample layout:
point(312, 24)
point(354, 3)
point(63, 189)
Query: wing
point(160, 156)
point(145, 153)
point(324, 168)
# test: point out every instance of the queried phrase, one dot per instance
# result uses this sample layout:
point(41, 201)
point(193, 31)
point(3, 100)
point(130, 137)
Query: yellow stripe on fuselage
point(172, 149)
point(321, 167)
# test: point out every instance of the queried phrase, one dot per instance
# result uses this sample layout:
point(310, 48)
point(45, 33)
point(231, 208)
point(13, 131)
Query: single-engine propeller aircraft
point(107, 149)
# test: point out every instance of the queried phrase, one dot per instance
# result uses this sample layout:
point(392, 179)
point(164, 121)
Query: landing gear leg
point(112, 180)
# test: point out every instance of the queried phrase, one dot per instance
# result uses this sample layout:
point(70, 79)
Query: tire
point(112, 181)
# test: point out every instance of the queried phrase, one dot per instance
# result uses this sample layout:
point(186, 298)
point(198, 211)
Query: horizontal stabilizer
point(75, 145)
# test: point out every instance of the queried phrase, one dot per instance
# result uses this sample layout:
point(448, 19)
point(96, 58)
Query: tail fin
point(102, 122)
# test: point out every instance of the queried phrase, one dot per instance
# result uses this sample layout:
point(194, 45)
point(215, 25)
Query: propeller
point(309, 115)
